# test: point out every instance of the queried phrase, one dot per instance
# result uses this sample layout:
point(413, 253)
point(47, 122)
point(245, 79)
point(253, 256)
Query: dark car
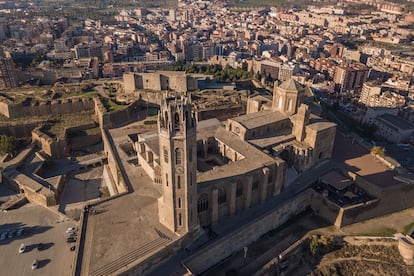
point(72, 248)
point(40, 246)
point(72, 239)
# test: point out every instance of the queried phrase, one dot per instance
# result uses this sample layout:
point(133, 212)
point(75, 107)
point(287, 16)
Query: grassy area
point(407, 228)
point(57, 127)
point(112, 106)
point(150, 122)
point(80, 95)
point(383, 232)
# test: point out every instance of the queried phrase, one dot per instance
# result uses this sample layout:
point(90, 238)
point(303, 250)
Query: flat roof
point(260, 118)
point(279, 138)
point(336, 180)
point(321, 126)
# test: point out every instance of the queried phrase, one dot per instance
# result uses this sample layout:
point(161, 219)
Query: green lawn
point(383, 232)
point(112, 106)
point(407, 228)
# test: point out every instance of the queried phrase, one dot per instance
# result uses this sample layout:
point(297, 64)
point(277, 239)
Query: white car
point(35, 264)
point(71, 230)
point(22, 248)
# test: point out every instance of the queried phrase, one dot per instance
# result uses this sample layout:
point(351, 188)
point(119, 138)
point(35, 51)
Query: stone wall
point(113, 119)
point(243, 236)
point(19, 131)
point(114, 169)
point(54, 107)
point(384, 204)
point(55, 148)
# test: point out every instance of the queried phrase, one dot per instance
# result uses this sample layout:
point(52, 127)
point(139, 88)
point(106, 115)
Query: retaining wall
point(243, 236)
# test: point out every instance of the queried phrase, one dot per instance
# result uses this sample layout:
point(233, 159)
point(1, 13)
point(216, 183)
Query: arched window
point(280, 103)
point(180, 219)
point(178, 156)
point(165, 155)
point(239, 189)
point(190, 155)
point(202, 204)
point(290, 105)
point(177, 122)
point(179, 202)
point(166, 179)
point(221, 196)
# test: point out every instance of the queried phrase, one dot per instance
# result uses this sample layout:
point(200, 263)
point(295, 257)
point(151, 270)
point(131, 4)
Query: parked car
point(71, 230)
point(73, 239)
point(22, 248)
point(35, 264)
point(26, 231)
point(11, 234)
point(19, 232)
point(3, 236)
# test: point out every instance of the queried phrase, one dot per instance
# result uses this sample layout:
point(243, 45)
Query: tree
point(377, 150)
point(313, 245)
point(8, 144)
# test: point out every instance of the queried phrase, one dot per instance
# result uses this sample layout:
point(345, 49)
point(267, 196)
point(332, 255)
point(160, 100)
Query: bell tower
point(177, 207)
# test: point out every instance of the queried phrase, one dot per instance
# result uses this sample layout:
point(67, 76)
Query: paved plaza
point(47, 227)
point(124, 229)
point(360, 161)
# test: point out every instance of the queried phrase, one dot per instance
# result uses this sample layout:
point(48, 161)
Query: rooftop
point(260, 118)
point(291, 85)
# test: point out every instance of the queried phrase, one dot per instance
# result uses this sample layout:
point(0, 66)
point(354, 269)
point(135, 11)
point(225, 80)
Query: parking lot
point(46, 227)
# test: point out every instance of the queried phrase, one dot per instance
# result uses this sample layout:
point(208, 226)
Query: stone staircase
point(132, 256)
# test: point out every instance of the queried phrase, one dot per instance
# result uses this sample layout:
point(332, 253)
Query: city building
point(350, 78)
point(8, 74)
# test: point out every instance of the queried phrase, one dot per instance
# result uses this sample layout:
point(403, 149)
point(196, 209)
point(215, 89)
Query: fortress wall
point(55, 148)
point(243, 236)
point(55, 107)
point(324, 207)
point(152, 81)
point(78, 143)
point(385, 204)
point(4, 109)
point(113, 163)
point(401, 199)
point(19, 131)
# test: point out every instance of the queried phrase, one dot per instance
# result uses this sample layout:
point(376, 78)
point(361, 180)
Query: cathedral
point(209, 170)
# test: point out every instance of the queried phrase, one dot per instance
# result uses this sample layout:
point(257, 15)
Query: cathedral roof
point(258, 119)
point(291, 85)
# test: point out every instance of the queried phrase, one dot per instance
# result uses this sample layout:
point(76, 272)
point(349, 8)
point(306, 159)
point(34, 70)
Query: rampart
point(55, 148)
point(46, 108)
point(112, 119)
point(384, 204)
point(19, 130)
point(243, 236)
point(113, 161)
